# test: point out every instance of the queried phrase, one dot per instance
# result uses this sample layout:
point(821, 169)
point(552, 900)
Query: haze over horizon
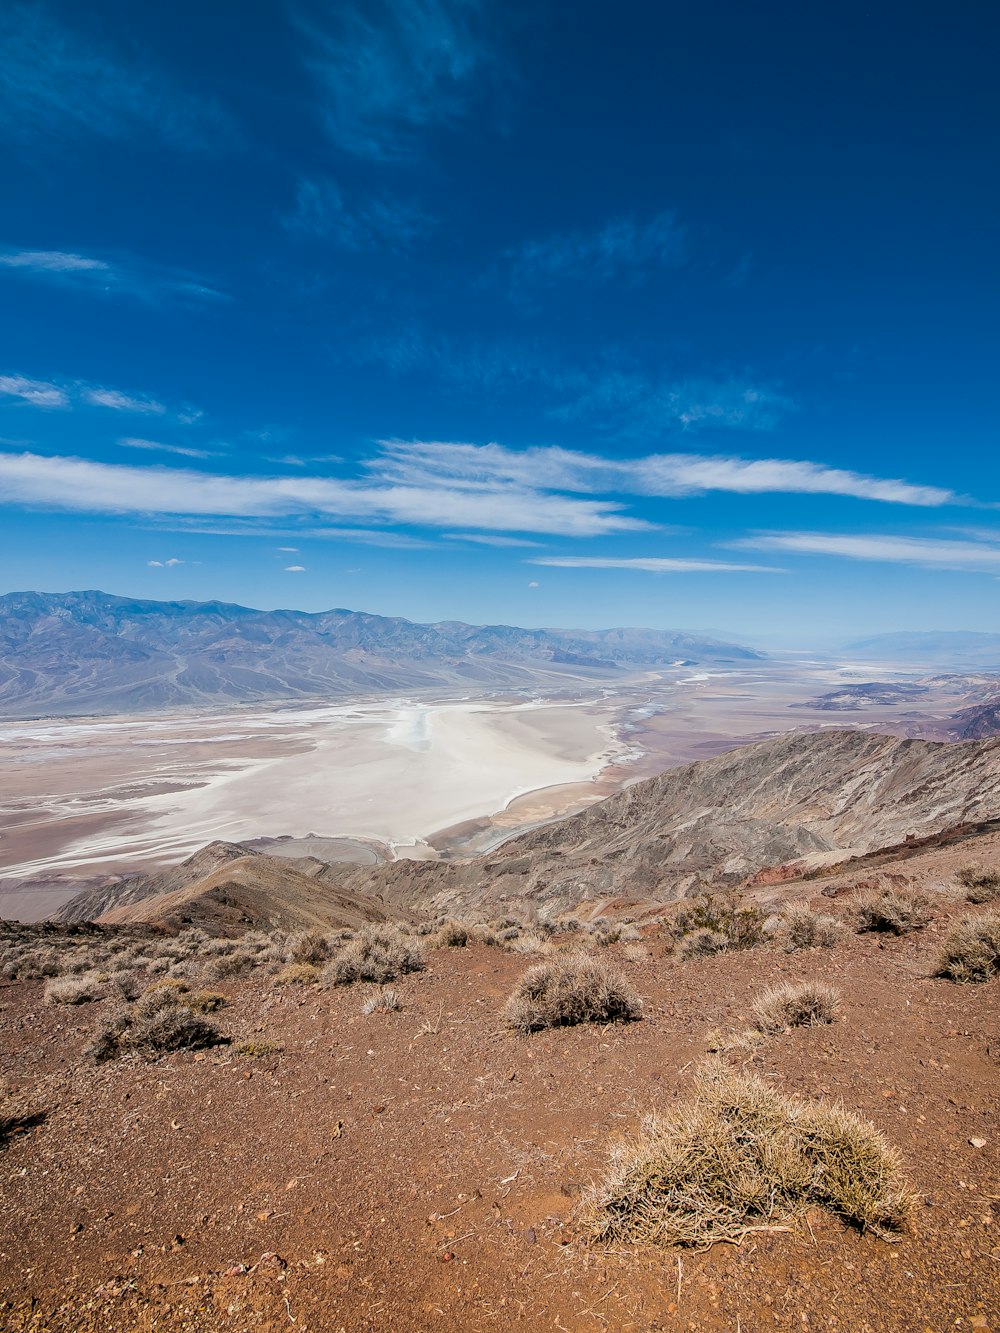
point(447, 309)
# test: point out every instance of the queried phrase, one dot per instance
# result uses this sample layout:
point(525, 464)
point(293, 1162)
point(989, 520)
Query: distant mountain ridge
point(92, 652)
point(942, 648)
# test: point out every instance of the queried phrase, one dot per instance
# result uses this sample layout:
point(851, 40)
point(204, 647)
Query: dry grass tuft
point(971, 949)
point(163, 1019)
point(385, 1000)
point(452, 935)
point(739, 1158)
point(889, 910)
point(801, 928)
point(796, 1004)
point(297, 974)
point(71, 990)
point(377, 953)
point(575, 989)
point(529, 943)
point(311, 946)
point(981, 883)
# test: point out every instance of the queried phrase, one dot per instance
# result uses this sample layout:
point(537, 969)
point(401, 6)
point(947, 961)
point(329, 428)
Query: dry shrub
point(311, 946)
point(890, 910)
point(452, 935)
point(739, 1157)
point(377, 953)
point(971, 949)
point(204, 1001)
point(702, 943)
point(802, 928)
point(484, 935)
point(163, 1019)
point(124, 984)
point(796, 1004)
point(575, 989)
point(174, 1027)
point(297, 974)
point(71, 990)
point(529, 943)
point(718, 923)
point(982, 883)
point(385, 1000)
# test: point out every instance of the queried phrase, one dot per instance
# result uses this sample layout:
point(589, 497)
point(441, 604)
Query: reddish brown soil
point(420, 1170)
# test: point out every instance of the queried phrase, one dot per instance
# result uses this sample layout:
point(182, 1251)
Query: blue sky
point(653, 314)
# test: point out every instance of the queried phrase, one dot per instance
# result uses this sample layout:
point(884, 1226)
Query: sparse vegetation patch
point(801, 928)
point(971, 949)
point(796, 1004)
point(716, 924)
point(738, 1158)
point(982, 883)
point(377, 953)
point(574, 989)
point(890, 910)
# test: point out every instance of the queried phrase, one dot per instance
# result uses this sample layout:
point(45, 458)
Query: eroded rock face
point(814, 797)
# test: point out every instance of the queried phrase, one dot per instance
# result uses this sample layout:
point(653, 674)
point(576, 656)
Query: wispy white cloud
point(173, 561)
point(127, 277)
point(323, 211)
point(488, 539)
point(81, 484)
point(621, 248)
point(652, 565)
point(928, 552)
point(289, 550)
point(67, 393)
point(295, 569)
point(388, 70)
point(154, 446)
point(549, 468)
point(59, 80)
point(155, 564)
point(121, 402)
point(38, 393)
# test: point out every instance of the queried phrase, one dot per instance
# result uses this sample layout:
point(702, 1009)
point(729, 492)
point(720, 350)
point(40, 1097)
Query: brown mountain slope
point(92, 903)
point(252, 891)
point(820, 796)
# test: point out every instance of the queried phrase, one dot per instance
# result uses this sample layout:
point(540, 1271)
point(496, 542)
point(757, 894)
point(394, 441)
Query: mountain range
point(90, 652)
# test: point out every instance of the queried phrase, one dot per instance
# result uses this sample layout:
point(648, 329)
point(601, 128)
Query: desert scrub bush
point(484, 935)
point(528, 942)
point(574, 989)
point(384, 1000)
point(722, 918)
point(889, 910)
point(296, 974)
point(737, 1158)
point(124, 984)
point(982, 884)
point(971, 949)
point(71, 990)
point(310, 946)
point(163, 1019)
point(796, 1004)
point(702, 943)
point(377, 953)
point(451, 935)
point(204, 1001)
point(802, 928)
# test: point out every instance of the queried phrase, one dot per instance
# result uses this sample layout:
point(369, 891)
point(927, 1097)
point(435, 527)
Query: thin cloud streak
point(154, 446)
point(652, 564)
point(662, 475)
point(37, 393)
point(928, 552)
point(621, 247)
point(103, 277)
point(83, 485)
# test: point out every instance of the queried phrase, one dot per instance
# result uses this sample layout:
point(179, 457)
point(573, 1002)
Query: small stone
point(978, 1143)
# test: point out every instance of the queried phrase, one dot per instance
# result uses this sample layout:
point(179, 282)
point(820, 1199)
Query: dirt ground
point(421, 1170)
